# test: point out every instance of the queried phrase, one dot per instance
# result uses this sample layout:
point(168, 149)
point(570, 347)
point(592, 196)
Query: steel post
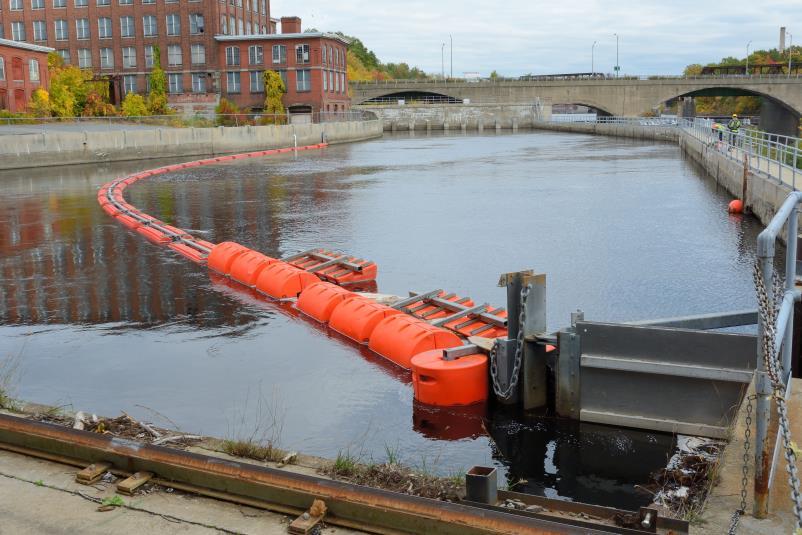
point(790, 280)
point(534, 373)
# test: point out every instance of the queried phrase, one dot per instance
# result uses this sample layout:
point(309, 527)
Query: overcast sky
point(517, 36)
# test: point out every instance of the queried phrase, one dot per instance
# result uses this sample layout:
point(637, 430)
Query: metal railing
point(195, 121)
point(772, 382)
point(579, 78)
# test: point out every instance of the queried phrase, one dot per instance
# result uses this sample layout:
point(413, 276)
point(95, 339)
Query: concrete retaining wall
point(67, 148)
point(457, 116)
point(764, 195)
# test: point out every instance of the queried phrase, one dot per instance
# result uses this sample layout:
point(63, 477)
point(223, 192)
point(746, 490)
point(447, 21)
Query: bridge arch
point(588, 103)
point(412, 96)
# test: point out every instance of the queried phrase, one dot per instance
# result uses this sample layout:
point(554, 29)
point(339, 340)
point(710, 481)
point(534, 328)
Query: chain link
point(769, 310)
point(506, 393)
point(747, 447)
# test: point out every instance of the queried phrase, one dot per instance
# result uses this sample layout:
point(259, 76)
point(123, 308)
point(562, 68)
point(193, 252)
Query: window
point(2, 68)
point(62, 33)
point(257, 82)
point(103, 2)
point(126, 2)
point(224, 25)
point(2, 32)
point(240, 28)
point(232, 25)
point(129, 57)
point(82, 28)
point(173, 24)
point(33, 70)
point(256, 55)
point(104, 28)
point(174, 55)
point(39, 30)
point(279, 54)
point(149, 25)
point(331, 56)
point(198, 53)
point(15, 5)
point(342, 82)
point(149, 56)
point(336, 83)
point(37, 4)
point(18, 31)
point(81, 3)
point(196, 23)
point(106, 58)
point(198, 83)
point(232, 55)
point(325, 78)
point(323, 54)
point(127, 26)
point(175, 84)
point(303, 80)
point(129, 83)
point(302, 54)
point(331, 81)
point(59, 3)
point(148, 1)
point(65, 55)
point(233, 82)
point(283, 74)
point(84, 58)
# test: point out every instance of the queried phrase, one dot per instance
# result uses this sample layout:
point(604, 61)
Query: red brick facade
point(23, 69)
point(114, 37)
point(312, 65)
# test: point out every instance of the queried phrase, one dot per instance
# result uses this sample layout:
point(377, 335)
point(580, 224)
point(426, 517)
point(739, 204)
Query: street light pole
point(592, 58)
point(747, 57)
point(442, 61)
point(790, 52)
point(451, 39)
point(617, 66)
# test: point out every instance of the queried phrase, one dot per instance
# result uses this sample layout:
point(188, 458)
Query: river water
point(96, 318)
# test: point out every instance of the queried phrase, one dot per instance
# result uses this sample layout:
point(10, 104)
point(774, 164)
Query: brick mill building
point(23, 69)
point(117, 39)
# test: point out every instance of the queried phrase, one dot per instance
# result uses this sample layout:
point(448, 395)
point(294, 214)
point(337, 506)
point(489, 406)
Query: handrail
point(598, 77)
point(765, 458)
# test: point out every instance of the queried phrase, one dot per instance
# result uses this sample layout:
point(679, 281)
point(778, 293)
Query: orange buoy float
point(154, 235)
point(357, 317)
point(280, 280)
point(188, 252)
point(247, 267)
point(462, 381)
point(320, 299)
point(736, 207)
point(223, 255)
point(399, 338)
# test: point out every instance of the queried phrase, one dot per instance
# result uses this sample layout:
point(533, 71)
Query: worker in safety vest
point(734, 126)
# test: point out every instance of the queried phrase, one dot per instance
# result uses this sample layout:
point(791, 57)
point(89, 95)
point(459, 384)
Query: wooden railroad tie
point(92, 473)
point(129, 485)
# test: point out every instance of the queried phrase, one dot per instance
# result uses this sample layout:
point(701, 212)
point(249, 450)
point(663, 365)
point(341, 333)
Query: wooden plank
point(92, 473)
point(303, 525)
point(129, 486)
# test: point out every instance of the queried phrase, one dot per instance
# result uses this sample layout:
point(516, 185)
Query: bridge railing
point(576, 77)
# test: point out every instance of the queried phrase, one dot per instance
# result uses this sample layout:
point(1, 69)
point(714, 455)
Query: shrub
point(40, 103)
point(134, 105)
point(97, 107)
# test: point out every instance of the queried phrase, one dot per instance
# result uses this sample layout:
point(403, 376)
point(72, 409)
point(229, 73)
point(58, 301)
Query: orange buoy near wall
point(357, 317)
point(320, 299)
point(283, 281)
point(736, 207)
point(462, 381)
point(399, 338)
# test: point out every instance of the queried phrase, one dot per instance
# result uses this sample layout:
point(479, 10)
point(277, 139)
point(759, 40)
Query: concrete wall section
point(459, 116)
point(67, 148)
point(658, 133)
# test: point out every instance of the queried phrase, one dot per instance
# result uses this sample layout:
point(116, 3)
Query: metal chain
point(738, 513)
point(506, 393)
point(769, 309)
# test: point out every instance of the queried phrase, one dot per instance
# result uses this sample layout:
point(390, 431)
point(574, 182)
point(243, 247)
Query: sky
point(516, 37)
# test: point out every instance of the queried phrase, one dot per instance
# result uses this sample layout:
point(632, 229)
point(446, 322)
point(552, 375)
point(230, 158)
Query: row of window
point(104, 28)
point(256, 55)
point(18, 5)
point(333, 82)
point(129, 56)
point(254, 5)
point(17, 69)
point(235, 26)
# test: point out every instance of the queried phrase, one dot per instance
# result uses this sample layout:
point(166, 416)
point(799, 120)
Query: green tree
point(40, 103)
point(493, 75)
point(274, 90)
point(157, 98)
point(134, 105)
point(69, 88)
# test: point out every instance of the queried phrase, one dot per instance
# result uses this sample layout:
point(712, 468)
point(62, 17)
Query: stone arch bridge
point(616, 96)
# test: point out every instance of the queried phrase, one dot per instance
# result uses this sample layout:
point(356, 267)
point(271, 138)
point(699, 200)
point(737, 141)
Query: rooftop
point(26, 46)
point(280, 36)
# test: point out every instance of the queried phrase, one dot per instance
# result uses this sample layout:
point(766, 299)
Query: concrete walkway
point(725, 497)
point(40, 497)
point(80, 126)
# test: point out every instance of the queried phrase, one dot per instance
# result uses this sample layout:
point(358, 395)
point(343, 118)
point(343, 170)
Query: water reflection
point(620, 227)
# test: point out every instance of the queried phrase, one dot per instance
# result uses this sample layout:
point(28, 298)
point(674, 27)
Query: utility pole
point(593, 58)
point(442, 61)
point(617, 66)
point(747, 57)
point(452, 55)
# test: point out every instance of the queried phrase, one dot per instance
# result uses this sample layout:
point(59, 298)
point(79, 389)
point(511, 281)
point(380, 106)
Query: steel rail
point(374, 510)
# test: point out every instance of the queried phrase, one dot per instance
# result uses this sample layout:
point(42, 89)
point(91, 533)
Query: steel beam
point(704, 321)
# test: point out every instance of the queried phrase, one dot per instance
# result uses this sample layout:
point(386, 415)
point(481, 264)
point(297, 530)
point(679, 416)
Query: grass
point(9, 369)
point(252, 450)
point(345, 464)
point(392, 454)
point(256, 431)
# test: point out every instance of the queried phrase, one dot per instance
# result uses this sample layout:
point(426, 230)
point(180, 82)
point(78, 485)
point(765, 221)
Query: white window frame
point(175, 26)
point(64, 26)
point(259, 78)
point(37, 4)
point(107, 54)
point(302, 54)
point(198, 29)
point(233, 82)
point(149, 51)
point(197, 54)
point(196, 88)
point(16, 5)
point(303, 84)
point(79, 24)
point(129, 88)
point(282, 54)
point(59, 4)
point(104, 23)
point(175, 56)
point(84, 58)
point(256, 55)
point(33, 70)
point(232, 56)
point(130, 27)
point(2, 68)
point(150, 22)
point(175, 81)
point(129, 57)
point(39, 30)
